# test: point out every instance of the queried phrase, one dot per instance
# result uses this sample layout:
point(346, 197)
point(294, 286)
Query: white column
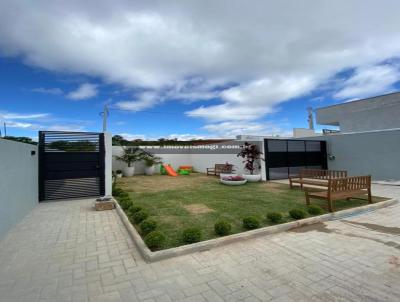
point(108, 163)
point(263, 169)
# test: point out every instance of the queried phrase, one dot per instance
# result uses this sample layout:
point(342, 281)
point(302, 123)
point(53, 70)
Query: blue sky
point(186, 71)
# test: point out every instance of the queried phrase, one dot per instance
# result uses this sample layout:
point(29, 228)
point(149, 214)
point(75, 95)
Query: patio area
point(65, 251)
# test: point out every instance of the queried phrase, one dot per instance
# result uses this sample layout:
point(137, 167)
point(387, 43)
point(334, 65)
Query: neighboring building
point(376, 113)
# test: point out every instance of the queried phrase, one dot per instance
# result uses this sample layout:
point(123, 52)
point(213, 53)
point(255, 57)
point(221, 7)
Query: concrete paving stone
point(212, 296)
point(197, 289)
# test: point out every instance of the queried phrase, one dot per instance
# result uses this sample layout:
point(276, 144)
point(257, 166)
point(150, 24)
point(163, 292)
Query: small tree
point(130, 155)
point(150, 159)
point(252, 157)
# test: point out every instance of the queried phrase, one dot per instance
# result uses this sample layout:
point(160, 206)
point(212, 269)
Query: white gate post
point(108, 163)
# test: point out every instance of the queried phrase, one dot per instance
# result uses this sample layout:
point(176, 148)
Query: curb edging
point(150, 256)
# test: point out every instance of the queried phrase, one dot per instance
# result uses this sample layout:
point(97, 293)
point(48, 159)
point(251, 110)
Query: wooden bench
point(220, 168)
point(343, 188)
point(315, 177)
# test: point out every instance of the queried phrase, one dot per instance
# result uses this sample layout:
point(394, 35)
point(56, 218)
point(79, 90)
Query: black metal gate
point(71, 164)
point(285, 157)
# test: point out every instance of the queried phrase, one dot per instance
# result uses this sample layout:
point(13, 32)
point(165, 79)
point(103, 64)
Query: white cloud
point(232, 129)
point(53, 91)
point(252, 100)
point(131, 137)
point(84, 91)
point(260, 48)
point(40, 121)
point(144, 100)
point(179, 136)
point(13, 124)
point(369, 81)
point(18, 116)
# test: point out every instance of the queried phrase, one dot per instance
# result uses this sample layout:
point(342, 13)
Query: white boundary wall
point(18, 182)
point(375, 153)
point(200, 162)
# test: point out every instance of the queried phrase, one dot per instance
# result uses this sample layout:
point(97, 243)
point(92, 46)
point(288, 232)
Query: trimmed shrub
point(154, 240)
point(222, 227)
point(148, 225)
point(191, 235)
point(251, 223)
point(138, 217)
point(134, 209)
point(117, 191)
point(125, 203)
point(315, 210)
point(274, 217)
point(297, 214)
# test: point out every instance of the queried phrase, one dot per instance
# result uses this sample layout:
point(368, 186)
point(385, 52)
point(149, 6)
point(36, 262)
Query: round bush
point(117, 191)
point(251, 223)
point(222, 227)
point(154, 240)
point(315, 210)
point(134, 209)
point(191, 235)
point(138, 217)
point(274, 217)
point(297, 214)
point(148, 225)
point(125, 203)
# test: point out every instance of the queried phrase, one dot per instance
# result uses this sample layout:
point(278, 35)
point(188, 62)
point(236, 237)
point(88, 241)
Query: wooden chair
point(341, 188)
point(220, 168)
point(315, 177)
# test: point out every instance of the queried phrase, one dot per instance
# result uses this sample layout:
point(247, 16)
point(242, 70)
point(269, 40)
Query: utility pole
point(310, 118)
point(105, 114)
point(5, 129)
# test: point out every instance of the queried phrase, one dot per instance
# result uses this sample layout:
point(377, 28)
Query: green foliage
point(117, 191)
point(222, 227)
point(274, 217)
point(130, 155)
point(150, 159)
point(297, 214)
point(21, 139)
point(148, 225)
point(191, 235)
point(139, 216)
point(125, 203)
point(66, 146)
point(315, 210)
point(251, 223)
point(154, 240)
point(134, 209)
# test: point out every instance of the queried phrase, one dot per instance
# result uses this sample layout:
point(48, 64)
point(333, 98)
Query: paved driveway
point(65, 251)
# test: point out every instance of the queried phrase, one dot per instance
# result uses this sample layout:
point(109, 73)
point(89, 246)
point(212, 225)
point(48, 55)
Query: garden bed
point(197, 201)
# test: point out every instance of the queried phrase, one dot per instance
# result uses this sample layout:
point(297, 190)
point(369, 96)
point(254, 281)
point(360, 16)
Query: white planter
point(252, 177)
point(149, 170)
point(128, 171)
point(119, 175)
point(233, 182)
point(223, 175)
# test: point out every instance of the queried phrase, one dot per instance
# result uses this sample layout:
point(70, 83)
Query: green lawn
point(198, 200)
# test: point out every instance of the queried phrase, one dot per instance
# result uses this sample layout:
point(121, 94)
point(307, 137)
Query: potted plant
point(118, 173)
point(130, 156)
point(150, 160)
point(252, 157)
point(234, 180)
